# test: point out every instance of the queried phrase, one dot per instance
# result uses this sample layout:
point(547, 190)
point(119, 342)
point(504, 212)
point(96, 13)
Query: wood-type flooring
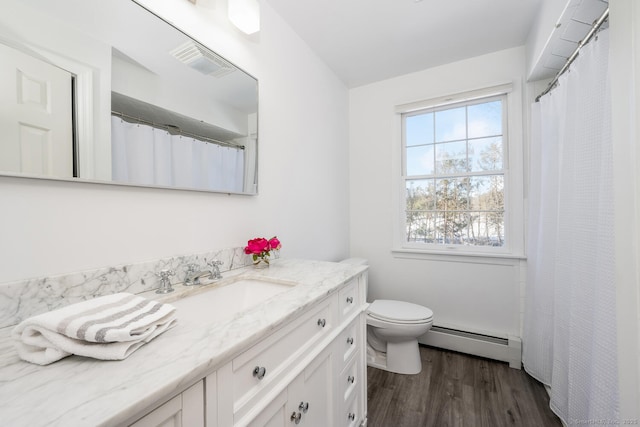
point(454, 390)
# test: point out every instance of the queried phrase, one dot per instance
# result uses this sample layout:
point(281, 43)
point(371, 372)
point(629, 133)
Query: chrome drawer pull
point(350, 300)
point(322, 322)
point(350, 341)
point(304, 407)
point(295, 417)
point(351, 416)
point(351, 379)
point(259, 372)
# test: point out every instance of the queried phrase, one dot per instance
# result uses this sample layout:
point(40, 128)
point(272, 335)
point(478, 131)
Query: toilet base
point(404, 356)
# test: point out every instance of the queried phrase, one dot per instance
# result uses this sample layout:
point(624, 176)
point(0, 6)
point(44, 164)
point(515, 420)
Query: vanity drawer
point(348, 343)
point(349, 299)
point(349, 381)
point(258, 369)
point(352, 412)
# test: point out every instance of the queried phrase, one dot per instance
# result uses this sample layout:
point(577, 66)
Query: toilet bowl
point(393, 328)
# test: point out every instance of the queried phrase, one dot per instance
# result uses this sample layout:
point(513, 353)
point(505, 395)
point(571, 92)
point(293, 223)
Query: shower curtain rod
point(176, 129)
point(593, 31)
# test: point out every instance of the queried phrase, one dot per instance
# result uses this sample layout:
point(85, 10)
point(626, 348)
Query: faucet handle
point(165, 274)
point(215, 270)
point(165, 283)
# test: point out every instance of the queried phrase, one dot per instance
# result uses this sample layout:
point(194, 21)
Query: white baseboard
point(504, 349)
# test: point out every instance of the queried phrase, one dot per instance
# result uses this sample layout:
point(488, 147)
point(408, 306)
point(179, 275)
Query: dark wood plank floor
point(455, 389)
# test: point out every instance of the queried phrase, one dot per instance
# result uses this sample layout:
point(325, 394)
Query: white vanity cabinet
point(241, 355)
point(249, 381)
point(184, 410)
point(308, 372)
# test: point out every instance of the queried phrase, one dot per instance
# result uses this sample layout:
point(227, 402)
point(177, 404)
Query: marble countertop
point(78, 391)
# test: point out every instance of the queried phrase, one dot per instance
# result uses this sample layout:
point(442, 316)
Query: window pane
point(420, 160)
point(451, 124)
point(487, 193)
point(420, 194)
point(485, 119)
point(421, 227)
point(485, 154)
point(419, 198)
point(450, 227)
point(419, 129)
point(451, 157)
point(486, 228)
point(452, 194)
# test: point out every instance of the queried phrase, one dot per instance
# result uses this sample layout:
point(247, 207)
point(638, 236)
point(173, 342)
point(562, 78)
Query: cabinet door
point(310, 397)
point(167, 415)
point(274, 415)
point(186, 409)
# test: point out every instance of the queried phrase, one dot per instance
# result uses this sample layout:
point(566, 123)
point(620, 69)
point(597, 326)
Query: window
point(454, 173)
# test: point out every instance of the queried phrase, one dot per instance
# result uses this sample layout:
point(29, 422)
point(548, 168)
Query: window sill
point(454, 255)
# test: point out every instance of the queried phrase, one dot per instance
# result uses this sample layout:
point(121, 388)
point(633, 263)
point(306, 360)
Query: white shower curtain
point(145, 155)
point(569, 340)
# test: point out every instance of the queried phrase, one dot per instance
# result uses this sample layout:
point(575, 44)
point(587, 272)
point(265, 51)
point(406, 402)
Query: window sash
point(435, 175)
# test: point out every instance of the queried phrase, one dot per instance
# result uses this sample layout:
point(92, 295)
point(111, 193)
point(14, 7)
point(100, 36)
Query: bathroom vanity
point(296, 358)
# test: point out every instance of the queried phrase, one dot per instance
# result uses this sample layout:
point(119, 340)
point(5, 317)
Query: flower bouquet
point(260, 250)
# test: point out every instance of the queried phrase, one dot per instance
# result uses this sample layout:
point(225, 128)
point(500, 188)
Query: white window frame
point(513, 180)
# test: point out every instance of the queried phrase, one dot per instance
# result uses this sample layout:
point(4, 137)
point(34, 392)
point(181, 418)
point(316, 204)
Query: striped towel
point(108, 328)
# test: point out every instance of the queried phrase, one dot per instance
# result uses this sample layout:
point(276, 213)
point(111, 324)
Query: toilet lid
point(399, 311)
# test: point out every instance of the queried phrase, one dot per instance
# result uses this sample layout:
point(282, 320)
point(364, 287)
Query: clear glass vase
point(261, 262)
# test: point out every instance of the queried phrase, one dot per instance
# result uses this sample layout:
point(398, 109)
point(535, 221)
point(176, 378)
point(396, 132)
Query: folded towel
point(108, 328)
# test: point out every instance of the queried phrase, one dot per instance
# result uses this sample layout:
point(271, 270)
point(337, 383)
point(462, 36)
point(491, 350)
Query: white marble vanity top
point(78, 391)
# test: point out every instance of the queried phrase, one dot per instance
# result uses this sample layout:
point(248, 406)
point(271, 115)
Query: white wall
point(49, 227)
point(468, 293)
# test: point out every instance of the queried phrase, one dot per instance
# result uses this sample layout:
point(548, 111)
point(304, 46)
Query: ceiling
point(365, 41)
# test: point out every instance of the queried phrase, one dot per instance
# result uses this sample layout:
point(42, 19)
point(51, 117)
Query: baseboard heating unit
point(504, 349)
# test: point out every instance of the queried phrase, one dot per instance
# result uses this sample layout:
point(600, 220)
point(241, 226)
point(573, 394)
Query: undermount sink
point(225, 301)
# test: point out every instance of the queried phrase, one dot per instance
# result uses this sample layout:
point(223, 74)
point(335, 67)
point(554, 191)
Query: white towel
point(108, 328)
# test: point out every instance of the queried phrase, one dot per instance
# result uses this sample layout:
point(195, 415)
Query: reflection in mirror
point(107, 91)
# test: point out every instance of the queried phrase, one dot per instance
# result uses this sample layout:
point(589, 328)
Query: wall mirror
point(107, 91)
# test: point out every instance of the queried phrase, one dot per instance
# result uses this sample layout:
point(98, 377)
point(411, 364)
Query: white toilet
point(393, 328)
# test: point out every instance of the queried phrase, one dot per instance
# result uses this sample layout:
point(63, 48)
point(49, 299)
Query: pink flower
point(257, 246)
point(261, 248)
point(275, 243)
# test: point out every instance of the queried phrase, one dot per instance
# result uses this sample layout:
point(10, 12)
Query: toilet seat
point(399, 312)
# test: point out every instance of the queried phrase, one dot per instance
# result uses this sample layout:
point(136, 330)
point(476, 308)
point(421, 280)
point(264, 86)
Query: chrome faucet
point(194, 275)
point(165, 284)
